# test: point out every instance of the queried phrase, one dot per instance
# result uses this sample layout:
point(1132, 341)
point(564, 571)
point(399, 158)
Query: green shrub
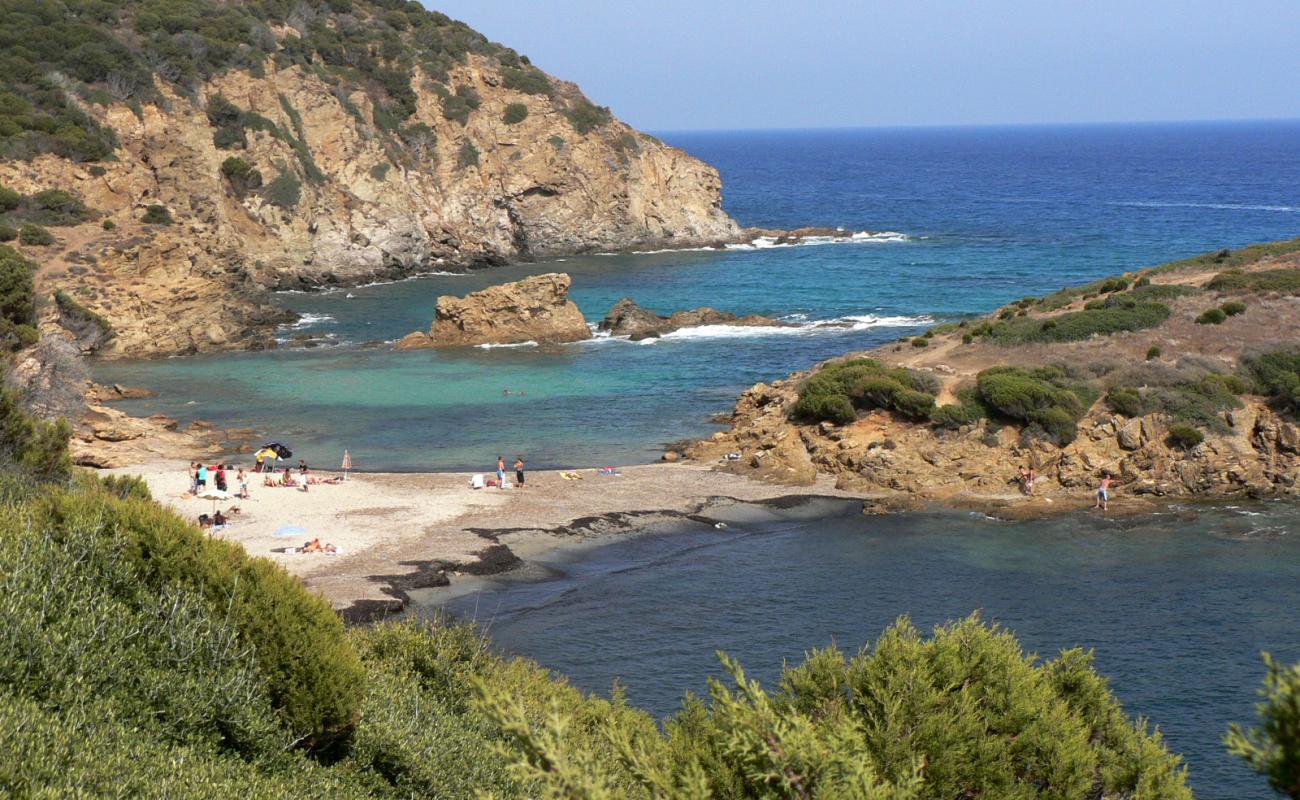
point(965, 713)
point(1211, 316)
point(243, 176)
point(108, 225)
point(834, 408)
point(37, 449)
point(1273, 749)
point(1044, 397)
point(155, 214)
point(1154, 352)
point(1286, 281)
point(380, 171)
point(585, 116)
point(284, 191)
point(56, 207)
point(1233, 307)
point(1276, 375)
point(1127, 401)
point(456, 109)
point(7, 232)
point(515, 113)
point(967, 338)
point(9, 199)
point(467, 156)
point(1101, 320)
point(35, 235)
point(528, 80)
point(557, 142)
point(1185, 436)
point(75, 314)
point(920, 341)
point(955, 415)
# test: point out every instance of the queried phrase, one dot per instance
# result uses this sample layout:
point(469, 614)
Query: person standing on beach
point(201, 477)
point(501, 472)
point(242, 478)
point(519, 471)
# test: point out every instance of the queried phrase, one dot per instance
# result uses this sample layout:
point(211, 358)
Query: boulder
point(628, 319)
point(536, 309)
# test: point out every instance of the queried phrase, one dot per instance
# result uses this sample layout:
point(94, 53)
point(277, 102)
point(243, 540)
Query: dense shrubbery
point(1233, 307)
point(1118, 313)
point(1271, 280)
point(528, 80)
point(243, 176)
point(285, 190)
point(34, 235)
point(1277, 376)
point(155, 214)
point(1230, 259)
point(863, 383)
point(1273, 749)
point(1211, 316)
point(77, 315)
point(17, 300)
point(1191, 392)
point(964, 714)
point(467, 156)
point(1185, 436)
point(1047, 399)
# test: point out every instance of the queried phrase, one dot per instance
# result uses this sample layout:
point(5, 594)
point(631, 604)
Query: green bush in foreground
point(1273, 749)
point(1103, 319)
point(34, 236)
point(963, 714)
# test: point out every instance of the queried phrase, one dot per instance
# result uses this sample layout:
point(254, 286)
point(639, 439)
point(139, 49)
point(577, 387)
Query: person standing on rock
point(1103, 492)
point(501, 472)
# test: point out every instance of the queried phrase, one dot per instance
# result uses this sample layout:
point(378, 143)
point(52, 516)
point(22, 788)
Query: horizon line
point(987, 125)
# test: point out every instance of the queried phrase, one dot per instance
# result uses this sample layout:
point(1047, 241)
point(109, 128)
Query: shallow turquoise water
point(1177, 606)
point(985, 215)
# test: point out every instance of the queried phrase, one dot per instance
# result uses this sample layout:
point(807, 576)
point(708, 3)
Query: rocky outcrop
point(357, 200)
point(536, 309)
point(52, 379)
point(628, 319)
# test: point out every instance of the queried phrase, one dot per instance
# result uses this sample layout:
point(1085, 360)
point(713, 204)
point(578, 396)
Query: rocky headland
point(1179, 380)
point(628, 319)
point(311, 162)
point(535, 309)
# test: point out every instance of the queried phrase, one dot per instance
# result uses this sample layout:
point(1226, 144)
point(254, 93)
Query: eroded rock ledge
point(536, 309)
point(628, 319)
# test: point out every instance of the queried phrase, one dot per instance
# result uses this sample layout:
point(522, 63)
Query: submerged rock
point(536, 309)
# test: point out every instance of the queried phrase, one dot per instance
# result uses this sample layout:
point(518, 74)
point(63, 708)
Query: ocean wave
point(1218, 206)
point(769, 242)
point(490, 346)
point(846, 324)
point(309, 320)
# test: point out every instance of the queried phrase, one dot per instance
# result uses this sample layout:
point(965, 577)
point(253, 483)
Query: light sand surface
point(402, 530)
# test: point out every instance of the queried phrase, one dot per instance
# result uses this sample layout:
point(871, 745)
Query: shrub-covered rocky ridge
point(157, 153)
point(1178, 379)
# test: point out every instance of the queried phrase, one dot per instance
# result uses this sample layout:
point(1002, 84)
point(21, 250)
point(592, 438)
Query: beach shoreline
point(399, 532)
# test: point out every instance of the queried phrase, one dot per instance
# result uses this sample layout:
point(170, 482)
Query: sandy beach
point(398, 531)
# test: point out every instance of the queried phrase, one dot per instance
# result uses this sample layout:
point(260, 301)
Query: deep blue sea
point(980, 216)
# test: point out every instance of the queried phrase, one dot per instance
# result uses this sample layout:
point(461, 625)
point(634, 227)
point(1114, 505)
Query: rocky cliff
point(536, 309)
point(628, 319)
point(333, 147)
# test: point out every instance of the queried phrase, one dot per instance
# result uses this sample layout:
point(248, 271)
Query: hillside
point(1180, 379)
point(168, 161)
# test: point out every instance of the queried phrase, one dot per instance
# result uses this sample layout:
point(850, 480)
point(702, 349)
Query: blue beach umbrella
point(291, 530)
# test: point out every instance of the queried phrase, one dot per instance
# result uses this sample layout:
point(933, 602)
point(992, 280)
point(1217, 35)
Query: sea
point(947, 223)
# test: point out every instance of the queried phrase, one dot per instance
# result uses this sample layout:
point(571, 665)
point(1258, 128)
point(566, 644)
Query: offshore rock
point(628, 319)
point(536, 309)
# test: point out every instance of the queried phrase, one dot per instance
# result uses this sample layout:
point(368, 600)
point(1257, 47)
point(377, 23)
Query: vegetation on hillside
point(1273, 748)
point(836, 392)
point(61, 58)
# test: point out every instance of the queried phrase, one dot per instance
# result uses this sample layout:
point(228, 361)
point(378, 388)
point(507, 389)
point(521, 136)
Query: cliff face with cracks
point(343, 201)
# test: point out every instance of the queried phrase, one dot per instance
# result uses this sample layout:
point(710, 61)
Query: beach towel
point(608, 471)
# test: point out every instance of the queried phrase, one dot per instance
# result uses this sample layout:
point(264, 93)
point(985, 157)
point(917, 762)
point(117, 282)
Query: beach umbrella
point(216, 496)
point(347, 463)
point(280, 449)
point(291, 530)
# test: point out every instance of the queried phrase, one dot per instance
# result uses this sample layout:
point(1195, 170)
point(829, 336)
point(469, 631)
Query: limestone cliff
point(536, 309)
point(295, 172)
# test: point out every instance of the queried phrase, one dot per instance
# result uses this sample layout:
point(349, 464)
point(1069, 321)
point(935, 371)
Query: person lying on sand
point(314, 546)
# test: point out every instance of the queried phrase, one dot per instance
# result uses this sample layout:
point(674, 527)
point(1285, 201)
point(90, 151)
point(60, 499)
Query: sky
point(726, 64)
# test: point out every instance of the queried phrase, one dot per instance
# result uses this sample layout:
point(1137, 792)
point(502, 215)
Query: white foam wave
point(310, 320)
point(1217, 206)
point(769, 242)
point(490, 346)
point(816, 327)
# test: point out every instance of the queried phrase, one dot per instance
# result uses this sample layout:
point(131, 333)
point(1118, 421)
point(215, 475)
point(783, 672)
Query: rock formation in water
point(628, 319)
point(536, 309)
point(322, 147)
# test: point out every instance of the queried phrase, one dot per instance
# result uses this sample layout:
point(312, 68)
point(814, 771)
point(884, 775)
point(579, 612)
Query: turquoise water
point(1177, 606)
point(982, 216)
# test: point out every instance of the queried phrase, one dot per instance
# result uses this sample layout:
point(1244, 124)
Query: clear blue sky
point(691, 64)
